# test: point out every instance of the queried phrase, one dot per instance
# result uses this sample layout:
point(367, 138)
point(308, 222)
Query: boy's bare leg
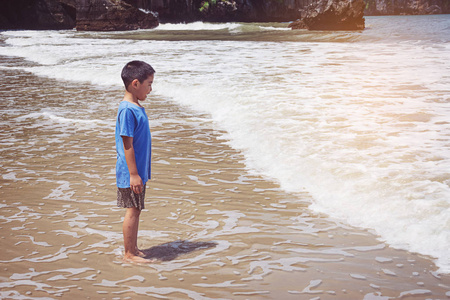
point(130, 232)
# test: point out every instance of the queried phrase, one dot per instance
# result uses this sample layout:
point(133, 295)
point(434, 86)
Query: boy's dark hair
point(136, 69)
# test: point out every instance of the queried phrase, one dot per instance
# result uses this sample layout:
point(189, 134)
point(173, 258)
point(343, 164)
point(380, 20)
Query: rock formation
point(263, 11)
point(133, 14)
point(37, 14)
point(332, 15)
point(272, 10)
point(221, 11)
point(108, 15)
point(224, 10)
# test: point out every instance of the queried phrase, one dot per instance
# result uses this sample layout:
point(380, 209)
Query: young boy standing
point(133, 146)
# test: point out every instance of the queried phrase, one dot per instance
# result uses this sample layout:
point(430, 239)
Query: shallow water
point(227, 219)
point(218, 231)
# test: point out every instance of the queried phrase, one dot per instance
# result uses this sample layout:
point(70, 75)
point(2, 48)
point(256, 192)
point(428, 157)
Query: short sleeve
point(127, 122)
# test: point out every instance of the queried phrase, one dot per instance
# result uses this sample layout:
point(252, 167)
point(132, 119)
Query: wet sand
point(217, 230)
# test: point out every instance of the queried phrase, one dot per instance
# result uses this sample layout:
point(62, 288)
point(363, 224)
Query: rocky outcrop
point(133, 14)
point(37, 14)
point(406, 7)
point(224, 10)
point(275, 10)
point(266, 11)
point(109, 15)
point(272, 10)
point(218, 11)
point(332, 15)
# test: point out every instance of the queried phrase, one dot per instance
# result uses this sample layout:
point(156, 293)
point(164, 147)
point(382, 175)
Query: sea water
point(358, 120)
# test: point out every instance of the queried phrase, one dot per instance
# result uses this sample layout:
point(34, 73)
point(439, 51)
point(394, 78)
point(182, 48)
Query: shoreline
point(61, 233)
point(18, 28)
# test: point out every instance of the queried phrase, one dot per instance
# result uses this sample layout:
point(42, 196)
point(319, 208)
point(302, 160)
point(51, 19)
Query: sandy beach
point(217, 230)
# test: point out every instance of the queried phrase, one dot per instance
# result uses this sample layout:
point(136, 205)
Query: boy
point(133, 146)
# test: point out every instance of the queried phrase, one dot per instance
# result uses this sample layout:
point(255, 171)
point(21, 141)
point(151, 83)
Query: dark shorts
point(127, 198)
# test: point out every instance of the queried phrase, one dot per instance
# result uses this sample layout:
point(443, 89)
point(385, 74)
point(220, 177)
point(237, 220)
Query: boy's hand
point(136, 184)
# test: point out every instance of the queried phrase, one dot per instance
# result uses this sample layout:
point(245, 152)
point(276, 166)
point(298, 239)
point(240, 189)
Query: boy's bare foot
point(137, 259)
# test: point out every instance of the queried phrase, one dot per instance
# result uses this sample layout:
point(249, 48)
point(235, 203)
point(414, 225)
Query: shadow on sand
point(170, 251)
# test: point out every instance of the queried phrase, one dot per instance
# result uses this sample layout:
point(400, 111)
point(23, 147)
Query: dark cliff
point(37, 14)
point(332, 15)
point(132, 14)
point(107, 15)
point(224, 10)
point(274, 10)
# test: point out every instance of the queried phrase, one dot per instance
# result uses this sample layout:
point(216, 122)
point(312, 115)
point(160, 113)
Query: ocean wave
point(48, 116)
point(195, 26)
point(232, 28)
point(270, 28)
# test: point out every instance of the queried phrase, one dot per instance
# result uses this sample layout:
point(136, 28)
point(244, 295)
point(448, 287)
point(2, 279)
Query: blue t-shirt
point(132, 121)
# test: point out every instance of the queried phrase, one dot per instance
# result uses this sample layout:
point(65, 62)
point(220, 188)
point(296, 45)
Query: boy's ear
point(134, 83)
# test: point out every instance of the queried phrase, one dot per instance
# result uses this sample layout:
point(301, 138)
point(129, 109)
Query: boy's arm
point(136, 184)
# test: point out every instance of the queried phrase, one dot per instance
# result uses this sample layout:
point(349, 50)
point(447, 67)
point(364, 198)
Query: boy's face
point(144, 88)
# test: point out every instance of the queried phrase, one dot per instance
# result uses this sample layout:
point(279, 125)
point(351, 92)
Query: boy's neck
point(129, 97)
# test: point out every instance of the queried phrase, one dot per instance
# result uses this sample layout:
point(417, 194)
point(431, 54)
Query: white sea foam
point(47, 117)
point(362, 126)
point(62, 192)
point(198, 26)
point(274, 28)
point(230, 27)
